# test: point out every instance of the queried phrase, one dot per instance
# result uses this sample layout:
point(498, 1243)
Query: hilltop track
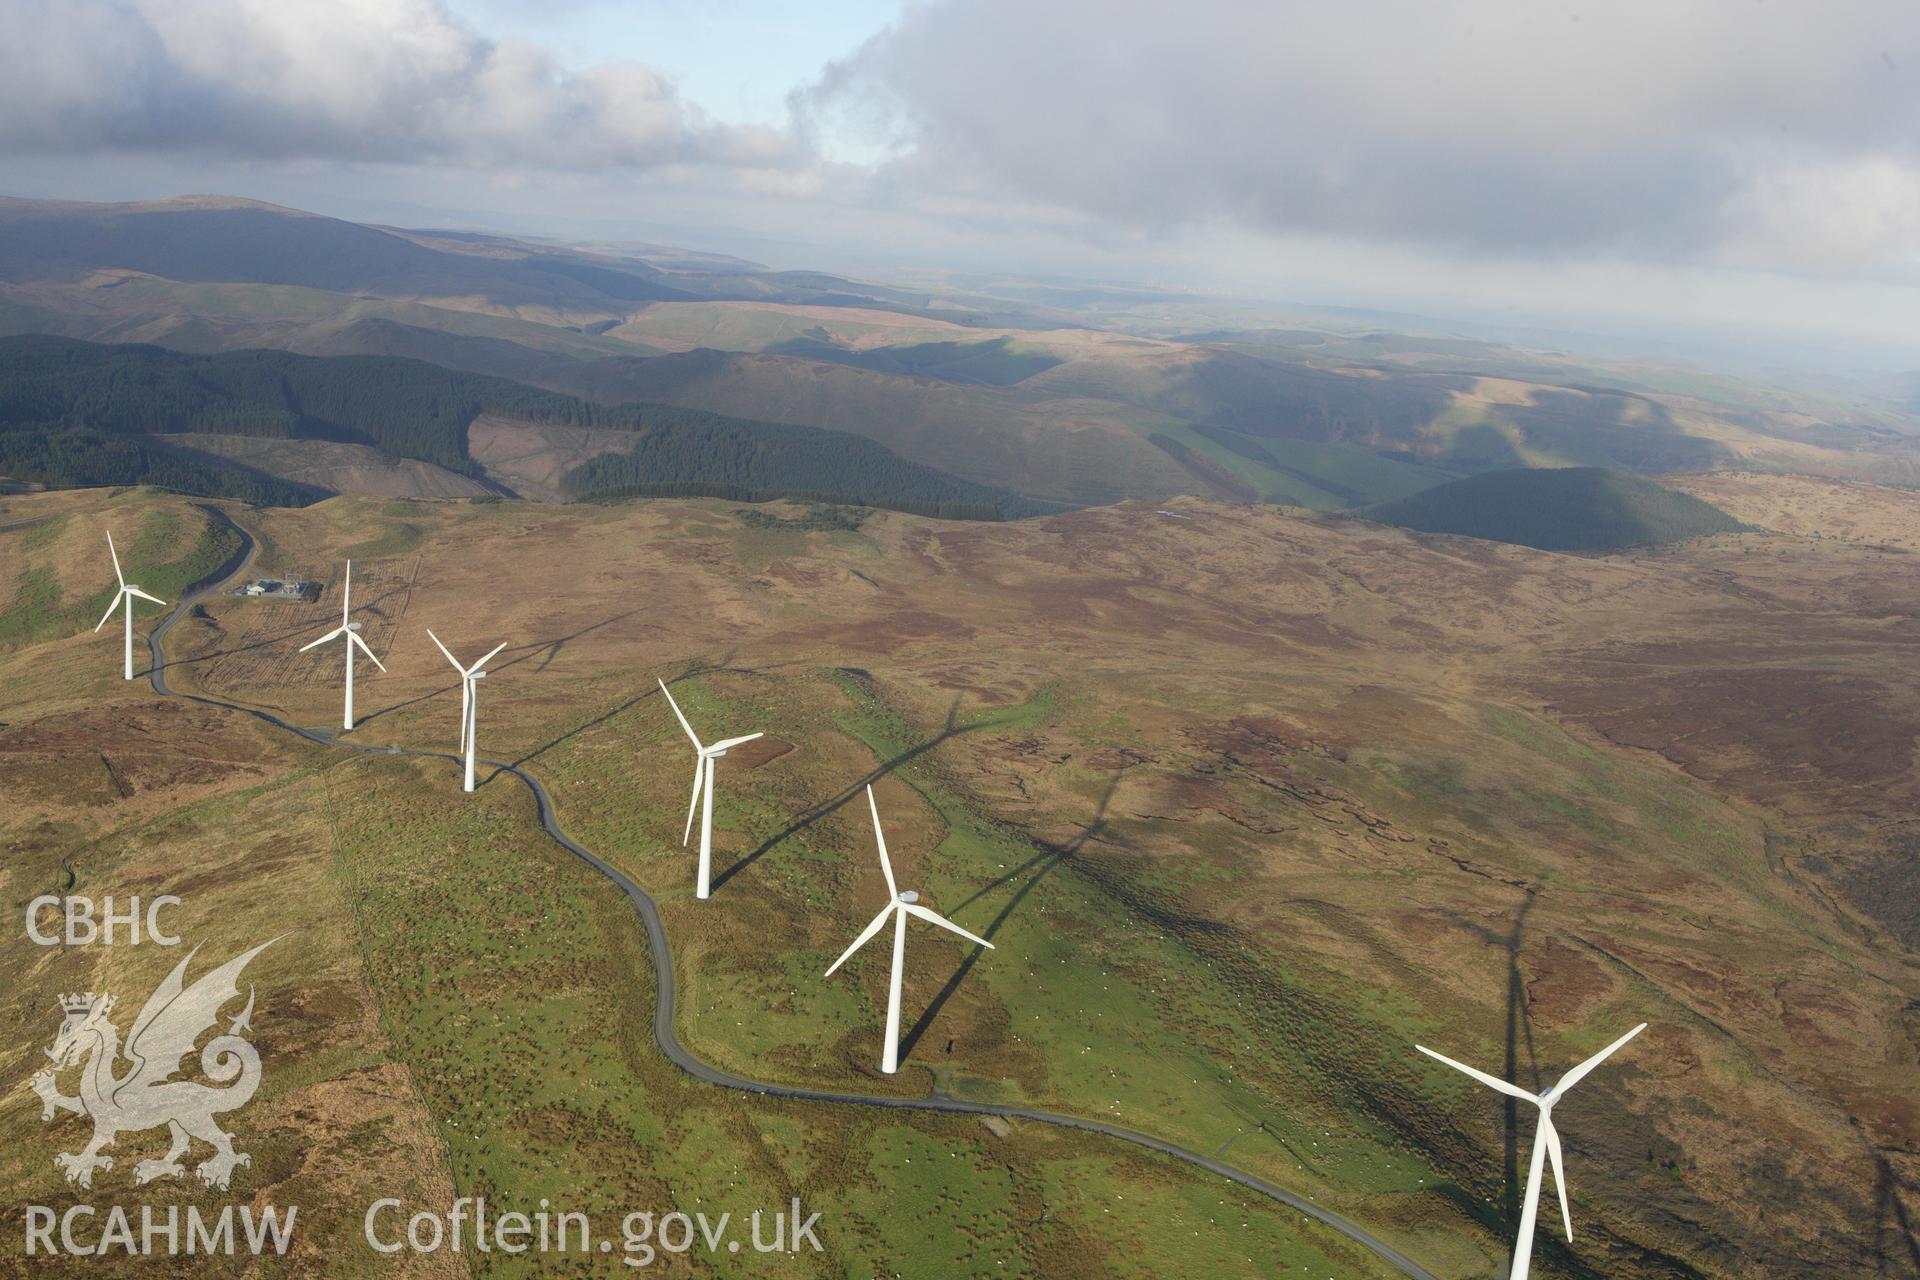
point(649, 912)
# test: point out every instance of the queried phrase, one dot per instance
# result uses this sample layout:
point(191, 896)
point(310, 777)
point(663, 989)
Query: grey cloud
point(357, 80)
point(1636, 126)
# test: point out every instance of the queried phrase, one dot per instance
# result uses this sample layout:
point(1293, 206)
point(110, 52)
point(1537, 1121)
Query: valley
point(1044, 395)
point(1295, 626)
point(1375, 787)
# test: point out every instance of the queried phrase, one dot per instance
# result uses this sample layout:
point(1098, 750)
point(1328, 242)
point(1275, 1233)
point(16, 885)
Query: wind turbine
point(351, 630)
point(126, 593)
point(1546, 1142)
point(899, 906)
point(469, 696)
point(703, 758)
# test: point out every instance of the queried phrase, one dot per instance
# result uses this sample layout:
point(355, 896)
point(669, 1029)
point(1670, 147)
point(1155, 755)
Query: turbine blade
point(880, 838)
point(682, 719)
point(483, 662)
point(1579, 1073)
point(1492, 1082)
point(1551, 1137)
point(449, 656)
point(135, 591)
point(353, 637)
point(718, 747)
point(118, 576)
point(346, 595)
point(934, 917)
point(866, 936)
point(699, 776)
point(118, 596)
point(331, 635)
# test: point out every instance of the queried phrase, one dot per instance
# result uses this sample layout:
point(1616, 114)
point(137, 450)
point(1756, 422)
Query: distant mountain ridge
point(1066, 391)
point(244, 241)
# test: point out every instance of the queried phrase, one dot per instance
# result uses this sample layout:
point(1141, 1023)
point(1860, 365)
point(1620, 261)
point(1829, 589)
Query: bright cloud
point(377, 80)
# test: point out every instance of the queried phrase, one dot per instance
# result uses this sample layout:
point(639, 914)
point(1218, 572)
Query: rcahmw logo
point(144, 1094)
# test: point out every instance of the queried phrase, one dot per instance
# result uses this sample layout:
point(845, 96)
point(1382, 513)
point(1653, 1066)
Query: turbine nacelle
point(126, 595)
point(703, 758)
point(469, 696)
point(899, 906)
point(350, 631)
point(1546, 1144)
point(719, 749)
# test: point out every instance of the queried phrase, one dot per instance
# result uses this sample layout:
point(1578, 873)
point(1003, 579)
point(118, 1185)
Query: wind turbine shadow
point(578, 729)
point(1894, 1220)
point(551, 648)
point(1042, 864)
point(303, 631)
point(648, 691)
point(526, 651)
point(952, 729)
point(297, 631)
point(1519, 1026)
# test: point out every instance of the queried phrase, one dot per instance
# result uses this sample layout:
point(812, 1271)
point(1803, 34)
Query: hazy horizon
point(1740, 180)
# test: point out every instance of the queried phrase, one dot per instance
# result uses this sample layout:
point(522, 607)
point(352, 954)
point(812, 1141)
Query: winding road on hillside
point(663, 1028)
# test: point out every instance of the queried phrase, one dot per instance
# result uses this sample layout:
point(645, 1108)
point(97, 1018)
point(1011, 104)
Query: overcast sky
point(1638, 164)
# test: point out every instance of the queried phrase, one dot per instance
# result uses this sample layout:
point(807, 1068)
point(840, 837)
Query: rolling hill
point(81, 413)
point(1249, 801)
point(1034, 388)
point(1558, 509)
point(216, 238)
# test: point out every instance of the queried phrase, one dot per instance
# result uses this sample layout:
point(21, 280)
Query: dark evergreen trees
point(74, 413)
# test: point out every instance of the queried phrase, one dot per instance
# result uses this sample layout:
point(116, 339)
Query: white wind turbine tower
point(899, 906)
point(1546, 1143)
point(469, 697)
point(126, 594)
point(351, 630)
point(703, 758)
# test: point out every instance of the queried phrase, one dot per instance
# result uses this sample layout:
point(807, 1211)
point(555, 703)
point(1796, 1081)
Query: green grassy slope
point(166, 551)
point(1307, 474)
point(1558, 509)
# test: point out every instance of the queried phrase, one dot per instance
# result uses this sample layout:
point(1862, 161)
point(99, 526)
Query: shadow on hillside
point(1519, 1028)
point(1898, 1247)
point(301, 631)
point(548, 650)
point(527, 653)
point(951, 729)
point(652, 690)
point(1041, 864)
point(693, 669)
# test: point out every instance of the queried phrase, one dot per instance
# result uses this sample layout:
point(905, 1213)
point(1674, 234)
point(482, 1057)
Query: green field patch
point(396, 538)
point(1305, 473)
point(148, 556)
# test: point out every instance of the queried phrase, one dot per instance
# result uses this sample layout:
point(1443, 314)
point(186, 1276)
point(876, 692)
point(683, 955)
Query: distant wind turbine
point(703, 758)
point(469, 697)
point(1546, 1143)
point(351, 630)
point(126, 593)
point(899, 907)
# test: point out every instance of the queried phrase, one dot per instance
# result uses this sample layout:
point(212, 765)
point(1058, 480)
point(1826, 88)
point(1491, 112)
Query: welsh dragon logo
point(145, 1095)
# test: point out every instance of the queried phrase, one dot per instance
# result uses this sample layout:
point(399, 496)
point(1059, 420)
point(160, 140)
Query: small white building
point(275, 589)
